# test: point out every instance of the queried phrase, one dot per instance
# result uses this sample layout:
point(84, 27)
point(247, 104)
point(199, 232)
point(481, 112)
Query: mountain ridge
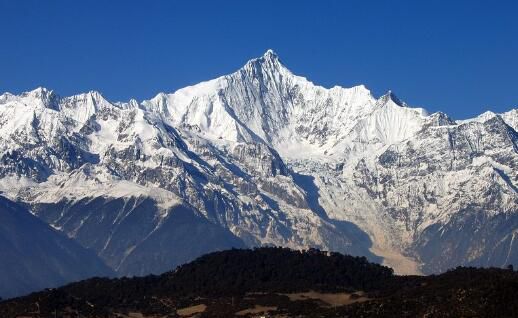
point(267, 158)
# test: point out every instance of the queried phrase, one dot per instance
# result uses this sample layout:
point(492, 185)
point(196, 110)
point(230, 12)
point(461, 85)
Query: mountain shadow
point(34, 256)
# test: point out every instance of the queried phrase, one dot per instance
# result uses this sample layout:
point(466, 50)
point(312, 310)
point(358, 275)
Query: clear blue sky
point(460, 57)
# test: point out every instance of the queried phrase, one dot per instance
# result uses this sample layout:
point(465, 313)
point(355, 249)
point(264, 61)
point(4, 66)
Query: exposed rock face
point(260, 157)
point(35, 256)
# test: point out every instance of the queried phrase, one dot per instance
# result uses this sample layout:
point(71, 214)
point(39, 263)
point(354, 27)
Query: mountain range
point(256, 158)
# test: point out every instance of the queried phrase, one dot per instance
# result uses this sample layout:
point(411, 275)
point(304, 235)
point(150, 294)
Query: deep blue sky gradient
point(460, 57)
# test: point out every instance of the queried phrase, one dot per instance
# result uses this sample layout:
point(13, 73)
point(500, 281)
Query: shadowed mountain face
point(128, 236)
point(446, 246)
point(35, 256)
point(264, 157)
point(166, 248)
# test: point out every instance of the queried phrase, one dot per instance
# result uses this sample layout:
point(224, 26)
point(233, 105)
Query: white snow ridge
point(263, 156)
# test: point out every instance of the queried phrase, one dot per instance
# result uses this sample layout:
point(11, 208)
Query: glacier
point(264, 157)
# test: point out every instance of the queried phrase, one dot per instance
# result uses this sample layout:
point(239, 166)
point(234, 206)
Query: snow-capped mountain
point(263, 156)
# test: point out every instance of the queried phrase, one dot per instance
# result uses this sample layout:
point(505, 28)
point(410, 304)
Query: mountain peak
point(270, 54)
point(390, 96)
point(266, 67)
point(96, 95)
point(39, 92)
point(269, 59)
point(48, 98)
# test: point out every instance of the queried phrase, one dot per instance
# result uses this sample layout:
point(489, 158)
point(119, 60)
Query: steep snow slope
point(34, 256)
point(263, 156)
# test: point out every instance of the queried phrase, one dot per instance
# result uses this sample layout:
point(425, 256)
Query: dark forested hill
point(275, 269)
point(280, 282)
